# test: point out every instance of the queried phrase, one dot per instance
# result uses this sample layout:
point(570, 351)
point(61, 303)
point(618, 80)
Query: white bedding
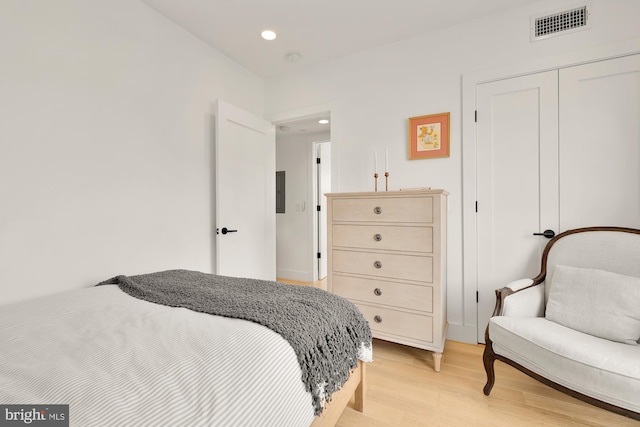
point(120, 361)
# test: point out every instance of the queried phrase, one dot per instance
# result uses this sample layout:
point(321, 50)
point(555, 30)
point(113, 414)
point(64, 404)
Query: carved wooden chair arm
point(511, 289)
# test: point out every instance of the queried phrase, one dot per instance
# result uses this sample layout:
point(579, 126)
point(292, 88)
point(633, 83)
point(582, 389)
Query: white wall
point(373, 93)
point(295, 228)
point(105, 143)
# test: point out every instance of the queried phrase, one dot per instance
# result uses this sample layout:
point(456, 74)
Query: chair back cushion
point(596, 302)
point(608, 250)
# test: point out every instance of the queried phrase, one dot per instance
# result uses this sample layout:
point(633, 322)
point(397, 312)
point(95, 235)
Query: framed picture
point(429, 136)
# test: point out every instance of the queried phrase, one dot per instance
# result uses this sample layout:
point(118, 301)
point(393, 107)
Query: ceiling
point(306, 125)
point(317, 30)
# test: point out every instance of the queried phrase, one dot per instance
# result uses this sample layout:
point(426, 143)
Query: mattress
point(117, 360)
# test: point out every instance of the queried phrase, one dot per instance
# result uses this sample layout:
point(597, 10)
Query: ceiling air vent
point(564, 22)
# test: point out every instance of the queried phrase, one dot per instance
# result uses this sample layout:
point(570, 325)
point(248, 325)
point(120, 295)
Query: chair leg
point(488, 358)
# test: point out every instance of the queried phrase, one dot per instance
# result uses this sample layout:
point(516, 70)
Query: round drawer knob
point(377, 319)
point(377, 210)
point(377, 237)
point(377, 291)
point(377, 264)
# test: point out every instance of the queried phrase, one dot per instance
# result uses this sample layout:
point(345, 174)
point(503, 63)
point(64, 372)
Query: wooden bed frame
point(355, 385)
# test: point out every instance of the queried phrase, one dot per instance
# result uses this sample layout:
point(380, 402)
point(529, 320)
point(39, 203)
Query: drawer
point(389, 321)
point(390, 209)
point(388, 237)
point(409, 267)
point(415, 297)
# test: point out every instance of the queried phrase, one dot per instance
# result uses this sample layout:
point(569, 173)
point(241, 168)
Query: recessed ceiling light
point(268, 35)
point(323, 121)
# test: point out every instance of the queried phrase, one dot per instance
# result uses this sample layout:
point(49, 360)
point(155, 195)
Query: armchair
point(576, 325)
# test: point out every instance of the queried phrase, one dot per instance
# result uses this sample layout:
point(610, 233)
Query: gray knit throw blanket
point(324, 329)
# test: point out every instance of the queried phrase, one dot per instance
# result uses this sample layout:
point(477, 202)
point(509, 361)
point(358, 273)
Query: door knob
point(225, 230)
point(549, 234)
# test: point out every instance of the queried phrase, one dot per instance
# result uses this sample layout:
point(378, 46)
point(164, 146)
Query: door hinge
point(477, 297)
point(476, 116)
point(317, 160)
point(318, 208)
point(319, 255)
point(476, 206)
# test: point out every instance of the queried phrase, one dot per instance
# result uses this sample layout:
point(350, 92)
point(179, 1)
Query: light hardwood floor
point(403, 390)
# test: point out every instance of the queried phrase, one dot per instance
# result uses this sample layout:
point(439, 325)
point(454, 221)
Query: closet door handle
point(549, 234)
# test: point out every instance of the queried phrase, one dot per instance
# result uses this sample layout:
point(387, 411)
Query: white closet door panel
point(517, 190)
point(600, 144)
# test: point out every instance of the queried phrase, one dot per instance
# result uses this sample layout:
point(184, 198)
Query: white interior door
point(517, 180)
point(324, 186)
point(600, 144)
point(244, 194)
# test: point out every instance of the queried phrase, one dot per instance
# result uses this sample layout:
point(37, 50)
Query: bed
point(117, 358)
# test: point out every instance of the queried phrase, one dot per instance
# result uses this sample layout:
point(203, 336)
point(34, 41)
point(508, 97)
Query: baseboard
point(302, 276)
point(463, 333)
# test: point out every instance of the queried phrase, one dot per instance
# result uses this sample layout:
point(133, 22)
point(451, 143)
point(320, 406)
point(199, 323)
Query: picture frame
point(429, 136)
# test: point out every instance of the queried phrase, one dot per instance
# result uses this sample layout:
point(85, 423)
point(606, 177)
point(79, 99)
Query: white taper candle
point(386, 160)
point(375, 160)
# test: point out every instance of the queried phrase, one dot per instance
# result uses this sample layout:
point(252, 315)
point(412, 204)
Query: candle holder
point(375, 176)
point(386, 181)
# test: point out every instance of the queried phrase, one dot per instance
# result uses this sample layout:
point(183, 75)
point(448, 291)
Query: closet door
point(600, 144)
point(517, 180)
point(555, 150)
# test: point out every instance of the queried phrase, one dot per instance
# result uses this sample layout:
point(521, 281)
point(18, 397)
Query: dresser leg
point(437, 358)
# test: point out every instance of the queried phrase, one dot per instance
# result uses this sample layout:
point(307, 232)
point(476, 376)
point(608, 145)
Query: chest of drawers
point(387, 255)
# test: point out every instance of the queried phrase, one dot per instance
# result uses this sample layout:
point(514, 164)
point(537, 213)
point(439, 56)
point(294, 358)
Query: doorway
point(301, 227)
